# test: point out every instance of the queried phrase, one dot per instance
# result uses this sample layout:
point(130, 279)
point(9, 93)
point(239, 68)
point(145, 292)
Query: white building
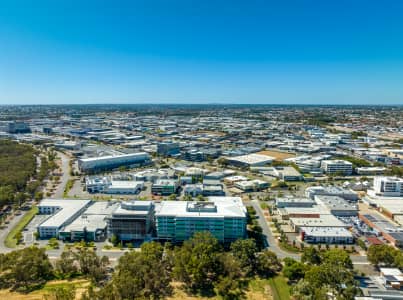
point(61, 213)
point(388, 186)
point(249, 160)
point(337, 166)
point(113, 161)
point(326, 235)
point(108, 186)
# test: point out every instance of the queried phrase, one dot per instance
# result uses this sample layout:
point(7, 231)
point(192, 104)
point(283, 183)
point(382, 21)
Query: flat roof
point(67, 209)
point(322, 221)
point(139, 154)
point(334, 203)
point(225, 207)
point(251, 159)
point(89, 222)
point(327, 231)
point(125, 184)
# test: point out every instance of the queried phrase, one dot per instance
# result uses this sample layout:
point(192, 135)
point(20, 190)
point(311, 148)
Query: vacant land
point(79, 284)
point(278, 155)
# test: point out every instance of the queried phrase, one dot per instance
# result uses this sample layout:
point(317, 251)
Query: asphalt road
point(4, 232)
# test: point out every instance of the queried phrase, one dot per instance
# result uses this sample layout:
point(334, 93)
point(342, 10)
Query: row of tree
point(201, 265)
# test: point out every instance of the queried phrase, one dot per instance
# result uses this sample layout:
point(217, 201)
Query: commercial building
point(224, 217)
point(251, 185)
point(168, 149)
point(91, 225)
point(370, 170)
point(326, 235)
point(111, 162)
point(317, 222)
point(388, 186)
point(287, 173)
point(391, 232)
point(337, 206)
point(346, 194)
point(108, 186)
point(18, 127)
point(250, 160)
point(165, 187)
point(131, 220)
point(294, 202)
point(337, 166)
point(61, 213)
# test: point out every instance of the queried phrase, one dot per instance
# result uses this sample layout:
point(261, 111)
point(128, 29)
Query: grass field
point(278, 155)
point(79, 284)
point(10, 241)
point(279, 288)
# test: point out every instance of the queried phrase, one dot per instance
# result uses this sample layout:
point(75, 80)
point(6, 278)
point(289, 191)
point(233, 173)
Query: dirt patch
point(278, 155)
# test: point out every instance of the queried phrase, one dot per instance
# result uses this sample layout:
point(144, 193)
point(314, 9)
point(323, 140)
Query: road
point(65, 175)
point(271, 241)
point(273, 246)
point(4, 232)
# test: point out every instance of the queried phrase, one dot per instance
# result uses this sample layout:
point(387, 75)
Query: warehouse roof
point(327, 231)
point(252, 159)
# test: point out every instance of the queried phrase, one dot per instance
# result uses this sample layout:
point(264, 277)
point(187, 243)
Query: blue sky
point(280, 52)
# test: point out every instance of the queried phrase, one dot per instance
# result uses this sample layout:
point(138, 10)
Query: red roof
point(374, 241)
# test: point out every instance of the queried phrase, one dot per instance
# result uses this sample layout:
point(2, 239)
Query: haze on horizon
point(265, 52)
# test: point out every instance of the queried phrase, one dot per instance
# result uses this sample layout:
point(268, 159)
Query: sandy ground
point(277, 154)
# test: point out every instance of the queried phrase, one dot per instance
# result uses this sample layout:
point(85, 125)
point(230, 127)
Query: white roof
point(225, 207)
point(327, 231)
point(67, 209)
point(139, 154)
point(119, 184)
point(391, 272)
point(253, 158)
point(322, 221)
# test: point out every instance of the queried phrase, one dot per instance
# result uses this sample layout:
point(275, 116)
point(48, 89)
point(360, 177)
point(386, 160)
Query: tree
point(65, 266)
point(197, 261)
point(61, 293)
point(91, 265)
point(311, 256)
point(384, 255)
point(114, 240)
point(25, 269)
point(337, 257)
point(244, 250)
point(294, 270)
point(140, 275)
point(229, 285)
point(268, 264)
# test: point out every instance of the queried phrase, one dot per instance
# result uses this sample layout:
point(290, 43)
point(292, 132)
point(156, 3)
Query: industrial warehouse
point(175, 221)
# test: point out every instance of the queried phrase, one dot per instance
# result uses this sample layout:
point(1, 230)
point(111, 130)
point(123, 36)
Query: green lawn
point(280, 288)
point(10, 241)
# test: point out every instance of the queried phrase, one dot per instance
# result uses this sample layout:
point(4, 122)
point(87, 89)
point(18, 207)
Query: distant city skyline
point(187, 52)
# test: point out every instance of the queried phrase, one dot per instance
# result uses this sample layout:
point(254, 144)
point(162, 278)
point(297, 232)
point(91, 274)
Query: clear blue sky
point(191, 51)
